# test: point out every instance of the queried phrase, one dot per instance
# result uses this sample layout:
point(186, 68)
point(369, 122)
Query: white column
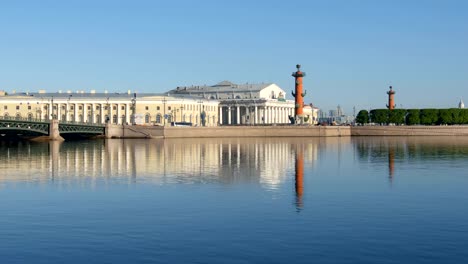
point(75, 110)
point(229, 115)
point(51, 110)
point(93, 114)
point(85, 113)
point(101, 112)
point(127, 113)
point(111, 117)
point(265, 114)
point(59, 116)
point(238, 115)
point(119, 121)
point(220, 115)
point(67, 112)
point(256, 115)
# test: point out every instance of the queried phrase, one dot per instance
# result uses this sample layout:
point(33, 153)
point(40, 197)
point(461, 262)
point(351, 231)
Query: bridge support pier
point(54, 133)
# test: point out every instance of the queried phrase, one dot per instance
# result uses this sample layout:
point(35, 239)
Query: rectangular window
point(63, 107)
point(97, 107)
point(122, 107)
point(114, 107)
point(17, 107)
point(146, 108)
point(80, 107)
point(157, 108)
point(5, 107)
point(105, 107)
point(168, 108)
point(89, 107)
point(29, 107)
point(72, 107)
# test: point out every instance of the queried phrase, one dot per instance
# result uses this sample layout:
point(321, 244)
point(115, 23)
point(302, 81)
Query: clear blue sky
point(351, 50)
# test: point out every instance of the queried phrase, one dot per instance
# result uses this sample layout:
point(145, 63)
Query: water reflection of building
point(265, 161)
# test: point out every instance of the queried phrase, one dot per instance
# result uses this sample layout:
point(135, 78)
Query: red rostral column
point(298, 94)
point(391, 100)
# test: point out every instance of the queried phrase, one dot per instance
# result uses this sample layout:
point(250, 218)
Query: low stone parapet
point(409, 131)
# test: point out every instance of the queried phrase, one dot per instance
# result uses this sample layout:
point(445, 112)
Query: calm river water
point(275, 200)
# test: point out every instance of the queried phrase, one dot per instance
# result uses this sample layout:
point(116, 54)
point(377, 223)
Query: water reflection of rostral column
point(299, 176)
point(299, 95)
point(391, 162)
point(391, 99)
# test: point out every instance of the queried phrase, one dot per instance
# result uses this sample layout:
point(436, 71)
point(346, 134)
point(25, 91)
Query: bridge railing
point(47, 120)
point(14, 118)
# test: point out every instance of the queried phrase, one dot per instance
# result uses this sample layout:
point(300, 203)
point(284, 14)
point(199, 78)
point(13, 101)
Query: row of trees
point(452, 116)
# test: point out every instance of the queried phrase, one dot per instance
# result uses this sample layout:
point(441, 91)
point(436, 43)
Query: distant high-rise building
point(339, 111)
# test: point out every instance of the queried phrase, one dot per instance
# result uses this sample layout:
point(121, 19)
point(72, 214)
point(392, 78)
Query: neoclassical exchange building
point(224, 103)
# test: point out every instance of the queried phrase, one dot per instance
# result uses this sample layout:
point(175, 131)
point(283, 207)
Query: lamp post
point(52, 110)
point(182, 114)
point(164, 111)
point(132, 118)
point(108, 111)
point(67, 107)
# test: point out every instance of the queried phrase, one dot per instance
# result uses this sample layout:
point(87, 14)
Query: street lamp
point(67, 106)
point(164, 111)
point(133, 109)
point(108, 110)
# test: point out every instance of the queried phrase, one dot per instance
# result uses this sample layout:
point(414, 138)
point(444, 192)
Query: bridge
point(54, 129)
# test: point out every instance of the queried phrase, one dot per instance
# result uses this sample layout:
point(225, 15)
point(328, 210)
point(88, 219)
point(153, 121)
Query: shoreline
point(119, 131)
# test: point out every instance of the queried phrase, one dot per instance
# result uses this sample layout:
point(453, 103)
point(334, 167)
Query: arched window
point(122, 118)
point(6, 115)
point(169, 118)
point(30, 116)
point(158, 119)
point(81, 118)
point(18, 116)
point(72, 118)
point(89, 119)
point(147, 118)
point(238, 97)
point(98, 119)
point(63, 117)
point(114, 119)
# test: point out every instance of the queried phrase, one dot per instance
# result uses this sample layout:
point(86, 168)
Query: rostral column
point(391, 100)
point(299, 95)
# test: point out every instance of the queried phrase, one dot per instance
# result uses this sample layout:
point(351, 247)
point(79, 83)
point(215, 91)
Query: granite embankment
point(409, 131)
point(119, 131)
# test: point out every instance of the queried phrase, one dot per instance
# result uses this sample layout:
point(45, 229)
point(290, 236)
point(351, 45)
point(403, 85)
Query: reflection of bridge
point(28, 127)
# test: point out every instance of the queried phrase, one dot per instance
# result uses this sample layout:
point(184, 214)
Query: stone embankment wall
point(119, 131)
point(124, 131)
point(409, 131)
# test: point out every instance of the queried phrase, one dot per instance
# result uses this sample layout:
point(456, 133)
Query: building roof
point(222, 87)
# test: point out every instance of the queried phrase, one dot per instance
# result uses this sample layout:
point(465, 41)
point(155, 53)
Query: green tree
point(464, 116)
point(362, 117)
point(429, 116)
point(397, 116)
point(412, 117)
point(456, 116)
point(445, 117)
point(379, 116)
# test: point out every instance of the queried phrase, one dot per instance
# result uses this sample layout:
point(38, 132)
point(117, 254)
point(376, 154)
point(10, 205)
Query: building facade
point(225, 103)
point(116, 108)
point(247, 104)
